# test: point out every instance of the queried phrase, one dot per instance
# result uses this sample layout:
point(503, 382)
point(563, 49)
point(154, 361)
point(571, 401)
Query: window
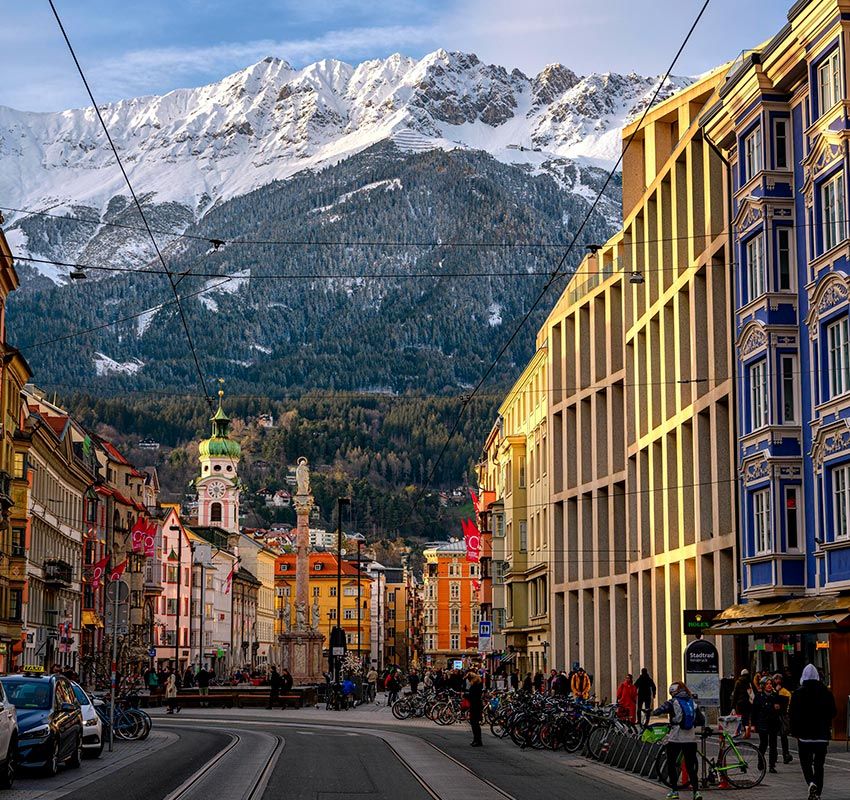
point(758, 395)
point(783, 257)
point(838, 344)
point(209, 611)
point(755, 266)
point(832, 208)
point(523, 536)
point(522, 472)
point(454, 590)
point(316, 591)
point(499, 568)
point(761, 520)
point(752, 154)
point(15, 604)
point(780, 141)
point(215, 512)
point(171, 573)
point(829, 82)
point(171, 606)
point(332, 591)
point(332, 613)
point(792, 523)
point(789, 389)
point(543, 453)
point(841, 501)
point(349, 613)
point(454, 569)
point(476, 617)
point(454, 617)
point(454, 641)
point(498, 526)
point(19, 541)
point(349, 591)
point(473, 570)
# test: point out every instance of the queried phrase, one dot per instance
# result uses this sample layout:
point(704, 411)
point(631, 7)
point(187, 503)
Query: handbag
point(465, 705)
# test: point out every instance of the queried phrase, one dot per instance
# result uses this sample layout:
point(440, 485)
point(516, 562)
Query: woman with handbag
point(475, 698)
point(784, 719)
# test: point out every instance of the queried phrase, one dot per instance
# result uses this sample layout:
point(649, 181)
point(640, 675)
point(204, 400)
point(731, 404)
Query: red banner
point(118, 571)
point(137, 535)
point(475, 503)
point(472, 537)
point(97, 572)
point(149, 540)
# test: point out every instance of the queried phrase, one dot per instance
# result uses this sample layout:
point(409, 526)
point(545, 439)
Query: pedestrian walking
point(527, 684)
point(413, 681)
point(581, 684)
point(784, 722)
point(646, 692)
point(372, 683)
point(742, 700)
point(188, 678)
point(475, 697)
point(684, 716)
point(515, 680)
point(765, 717)
point(538, 682)
point(274, 688)
point(171, 694)
point(627, 699)
point(393, 686)
point(811, 712)
point(286, 684)
point(203, 681)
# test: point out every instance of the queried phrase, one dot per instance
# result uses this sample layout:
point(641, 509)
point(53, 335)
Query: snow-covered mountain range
point(198, 147)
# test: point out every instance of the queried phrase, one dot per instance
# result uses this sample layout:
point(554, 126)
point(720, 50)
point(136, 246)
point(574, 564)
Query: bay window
point(829, 82)
point(761, 521)
point(838, 346)
point(832, 209)
point(752, 154)
point(841, 501)
point(758, 395)
point(755, 267)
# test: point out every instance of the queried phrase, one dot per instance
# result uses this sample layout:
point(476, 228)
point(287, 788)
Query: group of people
point(776, 713)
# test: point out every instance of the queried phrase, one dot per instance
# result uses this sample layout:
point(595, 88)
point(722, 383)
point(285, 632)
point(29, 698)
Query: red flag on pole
point(118, 571)
point(149, 540)
point(137, 533)
point(97, 572)
point(228, 581)
point(475, 504)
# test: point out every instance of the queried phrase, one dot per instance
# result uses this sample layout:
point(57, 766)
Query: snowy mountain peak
point(190, 149)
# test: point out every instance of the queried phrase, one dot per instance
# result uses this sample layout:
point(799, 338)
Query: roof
point(245, 576)
point(329, 565)
point(108, 491)
point(450, 547)
point(112, 452)
point(214, 535)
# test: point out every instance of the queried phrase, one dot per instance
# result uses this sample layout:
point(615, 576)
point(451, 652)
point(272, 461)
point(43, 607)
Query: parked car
point(8, 741)
point(50, 722)
point(92, 724)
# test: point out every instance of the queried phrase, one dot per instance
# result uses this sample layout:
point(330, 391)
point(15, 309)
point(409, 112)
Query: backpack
point(689, 713)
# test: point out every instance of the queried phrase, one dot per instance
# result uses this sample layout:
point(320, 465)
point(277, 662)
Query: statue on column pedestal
point(315, 610)
point(300, 617)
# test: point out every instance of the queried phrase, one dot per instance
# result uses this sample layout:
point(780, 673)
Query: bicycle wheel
point(660, 770)
point(144, 722)
point(127, 726)
point(401, 709)
point(742, 764)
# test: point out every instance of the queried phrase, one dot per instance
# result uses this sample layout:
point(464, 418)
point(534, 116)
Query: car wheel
point(76, 758)
point(95, 752)
point(7, 773)
point(51, 768)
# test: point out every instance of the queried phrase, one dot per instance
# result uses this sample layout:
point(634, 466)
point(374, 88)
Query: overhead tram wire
point(138, 204)
point(562, 260)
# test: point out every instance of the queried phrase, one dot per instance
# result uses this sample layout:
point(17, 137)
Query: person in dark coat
point(646, 692)
point(741, 701)
point(515, 680)
point(527, 685)
point(767, 717)
point(203, 679)
point(475, 696)
point(811, 713)
point(538, 682)
point(275, 684)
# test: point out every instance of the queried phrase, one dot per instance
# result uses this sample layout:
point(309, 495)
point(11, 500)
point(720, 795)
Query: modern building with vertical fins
point(783, 121)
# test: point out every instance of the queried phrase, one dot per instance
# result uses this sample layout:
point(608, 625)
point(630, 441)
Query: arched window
point(215, 512)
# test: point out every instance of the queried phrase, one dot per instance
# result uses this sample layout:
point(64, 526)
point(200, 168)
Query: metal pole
point(380, 654)
point(359, 652)
point(114, 670)
point(338, 578)
point(203, 614)
point(179, 597)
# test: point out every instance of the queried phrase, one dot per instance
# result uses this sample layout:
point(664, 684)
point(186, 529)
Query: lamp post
point(359, 651)
point(341, 501)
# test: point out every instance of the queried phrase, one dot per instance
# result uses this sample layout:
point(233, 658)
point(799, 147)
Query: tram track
point(255, 788)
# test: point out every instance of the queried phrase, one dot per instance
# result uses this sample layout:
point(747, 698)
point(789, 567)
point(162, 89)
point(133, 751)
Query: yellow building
point(322, 615)
point(640, 412)
point(523, 488)
point(15, 374)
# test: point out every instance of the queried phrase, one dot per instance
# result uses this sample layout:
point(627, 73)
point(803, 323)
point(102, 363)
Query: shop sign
point(695, 622)
point(821, 645)
point(702, 671)
point(471, 642)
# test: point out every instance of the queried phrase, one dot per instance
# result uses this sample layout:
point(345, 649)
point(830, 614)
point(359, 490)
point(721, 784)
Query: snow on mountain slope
point(191, 148)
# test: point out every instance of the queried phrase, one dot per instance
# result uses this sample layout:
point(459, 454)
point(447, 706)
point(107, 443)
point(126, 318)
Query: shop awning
point(801, 615)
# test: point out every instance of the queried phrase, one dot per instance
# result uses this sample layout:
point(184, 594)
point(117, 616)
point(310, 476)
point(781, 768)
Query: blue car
point(50, 723)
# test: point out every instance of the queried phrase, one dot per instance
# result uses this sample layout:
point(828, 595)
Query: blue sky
point(134, 47)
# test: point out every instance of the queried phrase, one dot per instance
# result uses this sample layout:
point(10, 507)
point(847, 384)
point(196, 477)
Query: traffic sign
point(485, 628)
point(121, 588)
point(152, 652)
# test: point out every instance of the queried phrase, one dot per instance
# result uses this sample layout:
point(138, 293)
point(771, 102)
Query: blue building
point(782, 121)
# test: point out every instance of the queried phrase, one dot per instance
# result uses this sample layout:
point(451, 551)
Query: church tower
point(218, 483)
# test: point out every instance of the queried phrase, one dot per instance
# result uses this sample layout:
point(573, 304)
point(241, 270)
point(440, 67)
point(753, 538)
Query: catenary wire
point(560, 263)
point(137, 203)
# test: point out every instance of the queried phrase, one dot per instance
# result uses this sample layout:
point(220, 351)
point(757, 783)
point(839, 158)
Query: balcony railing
point(58, 573)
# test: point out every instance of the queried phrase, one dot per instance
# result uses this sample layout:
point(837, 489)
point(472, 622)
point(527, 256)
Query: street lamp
point(177, 529)
point(340, 636)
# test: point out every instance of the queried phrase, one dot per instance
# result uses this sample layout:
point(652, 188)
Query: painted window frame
point(785, 231)
point(784, 150)
point(523, 536)
point(838, 350)
point(840, 476)
point(788, 377)
point(829, 91)
point(761, 522)
point(753, 145)
point(759, 395)
point(756, 273)
point(454, 641)
point(786, 508)
point(833, 212)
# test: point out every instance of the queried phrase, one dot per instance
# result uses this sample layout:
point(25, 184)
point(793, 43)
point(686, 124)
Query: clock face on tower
point(216, 490)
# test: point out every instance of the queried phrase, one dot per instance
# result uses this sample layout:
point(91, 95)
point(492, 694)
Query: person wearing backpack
point(685, 717)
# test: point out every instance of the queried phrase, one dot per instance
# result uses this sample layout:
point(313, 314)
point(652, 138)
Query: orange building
point(450, 607)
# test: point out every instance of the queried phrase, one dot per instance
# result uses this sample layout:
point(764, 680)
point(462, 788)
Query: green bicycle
point(740, 763)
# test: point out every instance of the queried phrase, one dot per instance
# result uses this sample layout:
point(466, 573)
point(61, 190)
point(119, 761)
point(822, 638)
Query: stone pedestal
point(301, 653)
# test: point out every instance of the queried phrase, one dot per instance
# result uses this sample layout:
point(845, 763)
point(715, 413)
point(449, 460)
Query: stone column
point(303, 507)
